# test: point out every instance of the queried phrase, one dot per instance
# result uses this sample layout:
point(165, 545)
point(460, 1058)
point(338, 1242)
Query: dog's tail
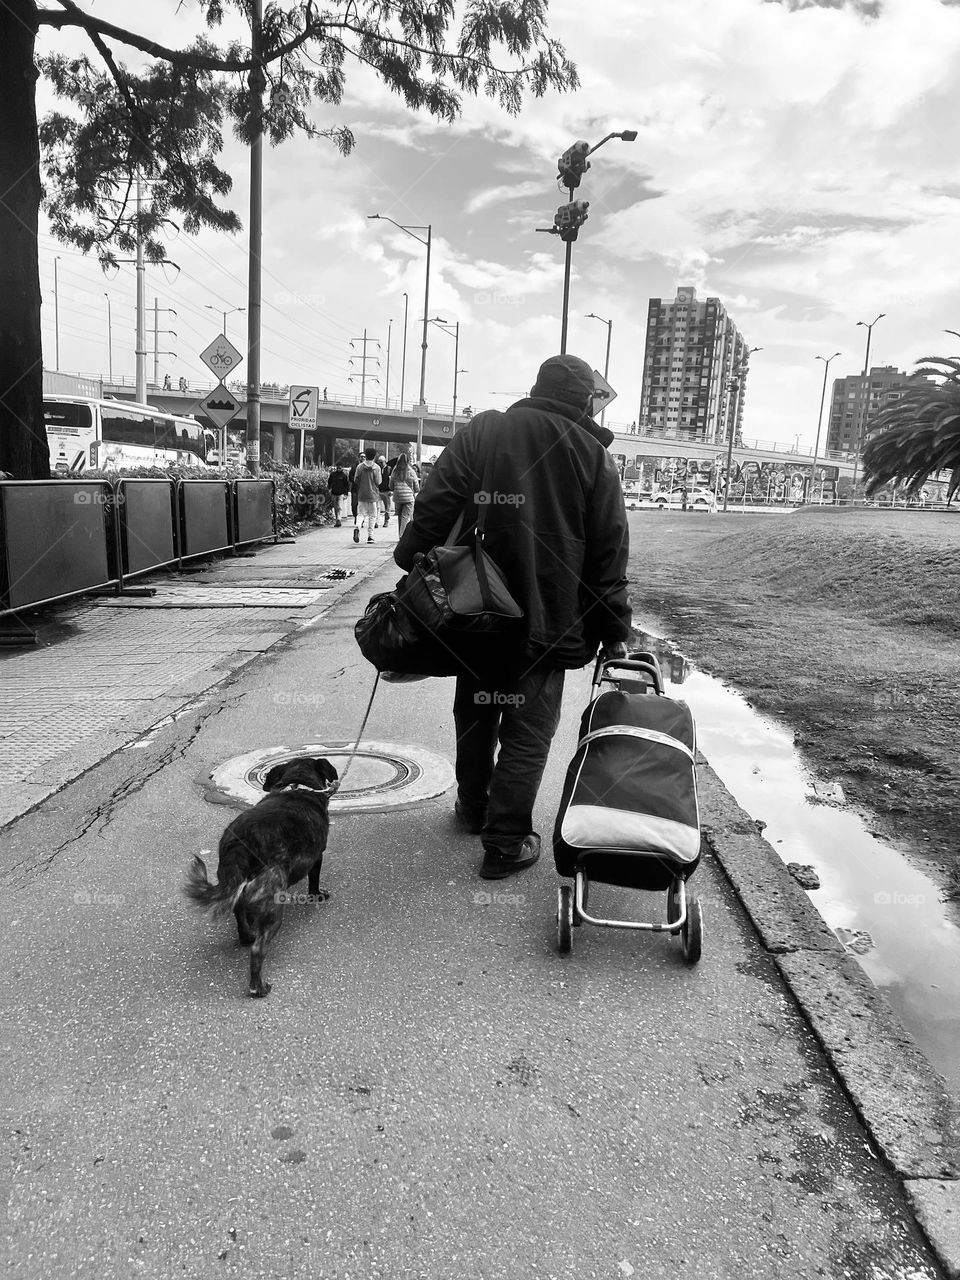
point(215, 899)
point(221, 899)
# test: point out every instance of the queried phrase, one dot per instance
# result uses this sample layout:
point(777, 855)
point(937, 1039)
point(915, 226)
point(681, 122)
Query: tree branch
point(75, 17)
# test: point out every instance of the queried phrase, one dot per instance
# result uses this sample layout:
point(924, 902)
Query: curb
point(902, 1102)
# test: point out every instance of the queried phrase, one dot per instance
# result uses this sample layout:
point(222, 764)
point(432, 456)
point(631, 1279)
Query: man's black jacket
point(555, 523)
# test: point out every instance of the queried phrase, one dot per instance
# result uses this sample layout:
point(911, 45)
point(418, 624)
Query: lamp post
point(606, 364)
point(403, 354)
point(56, 312)
point(571, 167)
point(738, 374)
point(411, 231)
point(455, 335)
point(863, 410)
point(823, 395)
point(229, 312)
point(109, 338)
point(386, 390)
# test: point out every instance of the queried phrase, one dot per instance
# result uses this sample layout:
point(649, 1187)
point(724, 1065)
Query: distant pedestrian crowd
point(376, 489)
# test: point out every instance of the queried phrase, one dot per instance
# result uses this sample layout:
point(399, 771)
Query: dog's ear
point(326, 770)
point(275, 775)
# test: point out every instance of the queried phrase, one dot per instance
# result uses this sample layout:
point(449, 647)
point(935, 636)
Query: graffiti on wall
point(749, 480)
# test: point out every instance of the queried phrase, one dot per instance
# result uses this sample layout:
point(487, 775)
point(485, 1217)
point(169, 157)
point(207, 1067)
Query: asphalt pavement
point(431, 1090)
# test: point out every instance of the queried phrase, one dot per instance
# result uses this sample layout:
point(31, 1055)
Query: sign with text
point(303, 407)
point(221, 356)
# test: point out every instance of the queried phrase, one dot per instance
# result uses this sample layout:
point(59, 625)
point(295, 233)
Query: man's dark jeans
point(521, 713)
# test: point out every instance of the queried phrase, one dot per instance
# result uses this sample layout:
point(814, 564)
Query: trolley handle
point(642, 662)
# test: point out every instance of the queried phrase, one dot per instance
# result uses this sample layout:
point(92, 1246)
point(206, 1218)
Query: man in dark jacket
point(557, 527)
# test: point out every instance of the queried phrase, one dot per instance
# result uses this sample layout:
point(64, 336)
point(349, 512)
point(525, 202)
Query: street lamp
point(735, 380)
point(210, 307)
point(863, 408)
point(411, 231)
point(109, 338)
point(606, 363)
point(56, 312)
point(455, 334)
point(403, 356)
point(823, 394)
point(567, 221)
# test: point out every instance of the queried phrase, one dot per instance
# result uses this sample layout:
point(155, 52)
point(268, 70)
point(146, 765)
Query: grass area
point(844, 624)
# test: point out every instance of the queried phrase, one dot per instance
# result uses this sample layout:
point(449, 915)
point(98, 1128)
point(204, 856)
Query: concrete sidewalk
point(706, 1065)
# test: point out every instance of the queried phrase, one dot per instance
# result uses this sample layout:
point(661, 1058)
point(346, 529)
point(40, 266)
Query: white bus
point(107, 435)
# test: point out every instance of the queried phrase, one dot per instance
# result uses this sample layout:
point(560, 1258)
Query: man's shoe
point(471, 820)
point(369, 539)
point(497, 865)
point(356, 535)
point(337, 525)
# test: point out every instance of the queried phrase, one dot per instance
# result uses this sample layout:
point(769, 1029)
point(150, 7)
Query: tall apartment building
point(691, 351)
point(856, 399)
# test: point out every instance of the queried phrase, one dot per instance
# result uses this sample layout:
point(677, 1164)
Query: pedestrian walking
point(556, 526)
point(338, 486)
point(368, 494)
point(384, 488)
point(404, 485)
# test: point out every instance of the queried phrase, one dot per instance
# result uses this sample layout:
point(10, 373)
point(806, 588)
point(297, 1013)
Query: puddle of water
point(867, 886)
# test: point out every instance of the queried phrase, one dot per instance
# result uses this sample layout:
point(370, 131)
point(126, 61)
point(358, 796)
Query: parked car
point(699, 499)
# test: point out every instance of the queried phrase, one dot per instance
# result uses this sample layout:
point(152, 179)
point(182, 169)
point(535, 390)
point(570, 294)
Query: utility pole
point(256, 81)
point(156, 338)
point(363, 364)
point(862, 416)
point(403, 357)
point(386, 390)
point(141, 344)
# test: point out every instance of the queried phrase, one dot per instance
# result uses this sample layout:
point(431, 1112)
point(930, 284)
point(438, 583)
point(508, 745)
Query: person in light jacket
point(404, 486)
point(368, 476)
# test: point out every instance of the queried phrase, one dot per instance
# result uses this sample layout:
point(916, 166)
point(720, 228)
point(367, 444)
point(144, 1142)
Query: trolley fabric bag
point(629, 804)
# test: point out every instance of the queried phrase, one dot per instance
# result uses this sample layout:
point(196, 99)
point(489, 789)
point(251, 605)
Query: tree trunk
point(24, 453)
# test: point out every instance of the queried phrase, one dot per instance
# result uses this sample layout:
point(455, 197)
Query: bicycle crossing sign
point(221, 356)
point(303, 407)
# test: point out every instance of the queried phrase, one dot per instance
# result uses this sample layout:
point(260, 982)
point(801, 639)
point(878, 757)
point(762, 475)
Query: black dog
point(266, 850)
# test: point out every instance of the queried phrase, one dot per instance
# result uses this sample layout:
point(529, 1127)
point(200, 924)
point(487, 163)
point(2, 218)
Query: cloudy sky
point(795, 158)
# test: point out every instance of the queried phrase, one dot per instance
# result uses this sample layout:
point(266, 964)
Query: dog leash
point(366, 716)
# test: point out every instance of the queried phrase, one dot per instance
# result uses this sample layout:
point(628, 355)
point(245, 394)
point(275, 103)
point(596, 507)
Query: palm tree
point(919, 434)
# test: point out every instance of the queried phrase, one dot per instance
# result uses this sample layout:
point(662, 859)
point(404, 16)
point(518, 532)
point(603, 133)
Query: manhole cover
point(383, 775)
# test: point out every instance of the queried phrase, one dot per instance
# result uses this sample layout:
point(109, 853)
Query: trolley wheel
point(691, 935)
point(564, 919)
point(673, 904)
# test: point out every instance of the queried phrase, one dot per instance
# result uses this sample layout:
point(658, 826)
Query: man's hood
point(602, 434)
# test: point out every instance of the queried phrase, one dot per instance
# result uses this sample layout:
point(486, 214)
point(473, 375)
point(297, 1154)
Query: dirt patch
point(842, 624)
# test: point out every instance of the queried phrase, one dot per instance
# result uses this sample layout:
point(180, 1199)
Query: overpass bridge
point(651, 456)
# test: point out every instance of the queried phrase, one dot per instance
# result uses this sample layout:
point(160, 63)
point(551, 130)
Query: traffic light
point(573, 164)
point(569, 218)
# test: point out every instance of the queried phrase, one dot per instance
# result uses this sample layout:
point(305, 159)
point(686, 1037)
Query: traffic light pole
point(566, 297)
